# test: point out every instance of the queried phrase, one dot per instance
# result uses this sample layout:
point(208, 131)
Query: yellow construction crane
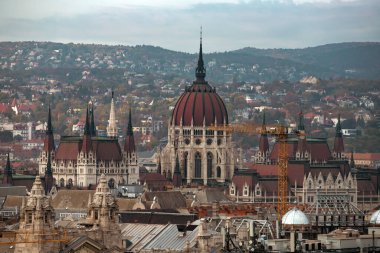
point(281, 133)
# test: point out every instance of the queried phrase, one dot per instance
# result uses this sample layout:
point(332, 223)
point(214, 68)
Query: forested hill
point(350, 60)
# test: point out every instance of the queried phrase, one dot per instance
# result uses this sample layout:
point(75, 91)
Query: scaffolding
point(334, 210)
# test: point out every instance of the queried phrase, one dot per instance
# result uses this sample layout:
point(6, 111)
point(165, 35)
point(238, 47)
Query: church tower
point(338, 151)
point(112, 127)
point(86, 160)
point(207, 156)
point(37, 222)
point(130, 156)
point(263, 153)
point(8, 174)
point(48, 146)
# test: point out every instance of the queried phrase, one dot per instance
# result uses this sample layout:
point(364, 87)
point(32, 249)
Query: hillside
point(348, 60)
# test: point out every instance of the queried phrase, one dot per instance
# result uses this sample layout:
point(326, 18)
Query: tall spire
point(129, 127)
point(301, 125)
point(49, 137)
point(86, 145)
point(48, 171)
point(352, 160)
point(48, 176)
point(49, 129)
point(87, 124)
point(129, 145)
point(338, 142)
point(200, 71)
point(8, 175)
point(112, 128)
point(338, 130)
point(177, 179)
point(263, 142)
point(92, 122)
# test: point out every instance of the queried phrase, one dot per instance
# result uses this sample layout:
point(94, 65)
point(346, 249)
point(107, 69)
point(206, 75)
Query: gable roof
point(167, 199)
point(71, 199)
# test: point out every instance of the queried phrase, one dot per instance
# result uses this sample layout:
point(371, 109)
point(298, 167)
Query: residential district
point(197, 189)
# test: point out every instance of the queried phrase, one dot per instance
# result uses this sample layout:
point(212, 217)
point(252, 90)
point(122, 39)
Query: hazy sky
point(174, 24)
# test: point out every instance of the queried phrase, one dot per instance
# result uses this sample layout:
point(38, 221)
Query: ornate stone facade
point(36, 233)
point(80, 160)
point(205, 156)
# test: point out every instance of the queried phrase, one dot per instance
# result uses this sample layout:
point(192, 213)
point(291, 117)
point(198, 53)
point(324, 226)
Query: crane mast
point(280, 132)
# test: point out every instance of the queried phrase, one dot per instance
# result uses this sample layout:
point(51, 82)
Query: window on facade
point(185, 164)
point(218, 172)
point(309, 186)
point(198, 165)
point(62, 182)
point(46, 217)
point(245, 192)
point(209, 165)
point(232, 190)
point(29, 218)
point(96, 215)
point(258, 192)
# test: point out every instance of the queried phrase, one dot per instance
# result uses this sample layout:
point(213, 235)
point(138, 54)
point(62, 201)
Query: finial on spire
point(201, 35)
point(129, 127)
point(200, 71)
point(92, 121)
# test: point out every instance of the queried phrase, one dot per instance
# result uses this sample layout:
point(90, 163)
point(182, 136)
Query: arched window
point(209, 165)
point(185, 165)
point(309, 185)
point(218, 172)
point(111, 183)
point(70, 183)
point(198, 165)
point(62, 182)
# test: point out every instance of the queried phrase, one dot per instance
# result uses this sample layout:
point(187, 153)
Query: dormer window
point(245, 191)
point(232, 190)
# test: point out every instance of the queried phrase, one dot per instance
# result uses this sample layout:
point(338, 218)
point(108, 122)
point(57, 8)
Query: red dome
point(199, 103)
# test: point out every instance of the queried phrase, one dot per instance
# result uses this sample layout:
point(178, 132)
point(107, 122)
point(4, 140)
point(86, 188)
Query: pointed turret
point(49, 180)
point(264, 144)
point(86, 145)
point(112, 127)
point(49, 137)
point(338, 142)
point(8, 174)
point(262, 155)
point(129, 145)
point(352, 160)
point(177, 178)
point(92, 122)
point(200, 71)
point(301, 124)
point(302, 149)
